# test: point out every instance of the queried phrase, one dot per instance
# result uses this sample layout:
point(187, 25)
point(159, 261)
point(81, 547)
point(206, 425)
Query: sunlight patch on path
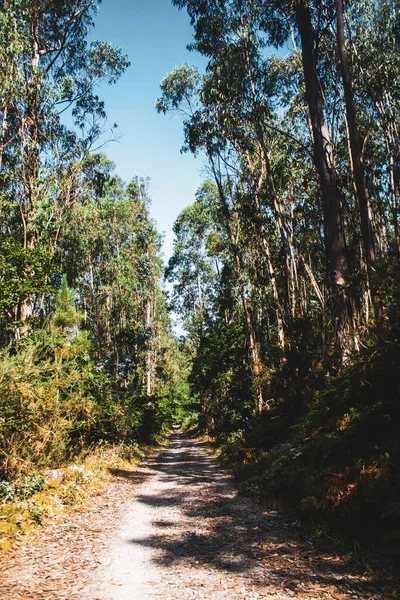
point(159, 532)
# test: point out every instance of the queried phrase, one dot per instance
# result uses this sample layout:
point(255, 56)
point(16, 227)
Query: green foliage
point(178, 86)
point(54, 404)
point(337, 463)
point(79, 377)
point(86, 352)
point(22, 488)
point(65, 314)
point(290, 303)
point(284, 359)
point(23, 272)
point(36, 512)
point(7, 491)
point(221, 378)
point(70, 495)
point(43, 405)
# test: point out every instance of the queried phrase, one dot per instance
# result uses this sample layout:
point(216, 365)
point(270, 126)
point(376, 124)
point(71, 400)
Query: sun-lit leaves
point(84, 331)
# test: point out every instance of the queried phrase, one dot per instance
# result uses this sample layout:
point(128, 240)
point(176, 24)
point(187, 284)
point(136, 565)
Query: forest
point(285, 270)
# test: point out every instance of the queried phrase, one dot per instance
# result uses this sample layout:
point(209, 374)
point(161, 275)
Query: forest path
point(175, 529)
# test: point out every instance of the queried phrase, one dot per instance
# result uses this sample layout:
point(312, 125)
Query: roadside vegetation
point(286, 266)
point(88, 360)
point(285, 269)
point(31, 500)
point(336, 461)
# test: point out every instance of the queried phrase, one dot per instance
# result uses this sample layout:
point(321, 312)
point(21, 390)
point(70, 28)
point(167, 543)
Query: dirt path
point(174, 530)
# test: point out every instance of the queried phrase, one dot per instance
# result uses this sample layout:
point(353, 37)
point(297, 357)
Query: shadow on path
point(199, 521)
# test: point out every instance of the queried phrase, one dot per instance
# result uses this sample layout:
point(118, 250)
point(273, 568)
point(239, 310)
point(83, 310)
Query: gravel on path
point(175, 529)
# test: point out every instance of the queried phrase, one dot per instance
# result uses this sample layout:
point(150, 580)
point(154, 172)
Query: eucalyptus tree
point(193, 267)
point(49, 68)
point(207, 294)
point(322, 31)
point(80, 258)
point(181, 91)
point(374, 49)
point(272, 18)
point(225, 118)
point(109, 248)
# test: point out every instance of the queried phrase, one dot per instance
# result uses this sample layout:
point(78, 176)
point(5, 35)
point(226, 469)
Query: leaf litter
point(176, 529)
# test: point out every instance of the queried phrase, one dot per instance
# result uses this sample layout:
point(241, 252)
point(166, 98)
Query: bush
point(21, 489)
point(336, 462)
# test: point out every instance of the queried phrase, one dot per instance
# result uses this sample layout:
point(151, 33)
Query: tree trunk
point(3, 130)
point(252, 339)
point(356, 159)
point(264, 240)
point(323, 160)
point(266, 165)
point(148, 352)
point(393, 195)
point(30, 164)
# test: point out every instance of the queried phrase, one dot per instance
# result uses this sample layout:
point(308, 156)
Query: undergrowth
point(337, 460)
point(29, 501)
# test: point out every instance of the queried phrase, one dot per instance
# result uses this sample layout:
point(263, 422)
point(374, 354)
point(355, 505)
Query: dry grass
point(64, 488)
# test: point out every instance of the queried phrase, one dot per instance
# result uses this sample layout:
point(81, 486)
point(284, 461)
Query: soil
point(176, 529)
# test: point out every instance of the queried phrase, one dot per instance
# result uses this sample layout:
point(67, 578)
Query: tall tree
point(49, 69)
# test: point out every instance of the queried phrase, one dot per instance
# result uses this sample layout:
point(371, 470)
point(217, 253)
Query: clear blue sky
point(154, 35)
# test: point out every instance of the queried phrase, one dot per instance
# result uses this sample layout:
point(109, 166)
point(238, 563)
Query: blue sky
point(154, 35)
